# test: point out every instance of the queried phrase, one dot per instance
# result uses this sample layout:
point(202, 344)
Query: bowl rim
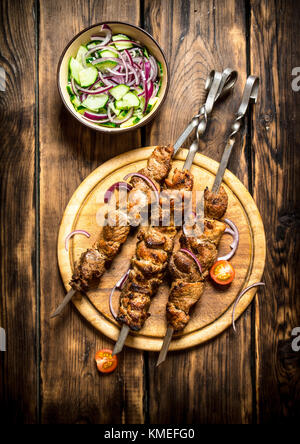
point(113, 130)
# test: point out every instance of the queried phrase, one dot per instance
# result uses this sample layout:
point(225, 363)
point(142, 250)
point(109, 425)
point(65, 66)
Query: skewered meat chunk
point(215, 204)
point(184, 296)
point(87, 272)
point(188, 282)
point(148, 266)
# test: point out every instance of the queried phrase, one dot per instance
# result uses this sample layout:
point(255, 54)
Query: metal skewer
point(249, 94)
point(217, 85)
point(227, 82)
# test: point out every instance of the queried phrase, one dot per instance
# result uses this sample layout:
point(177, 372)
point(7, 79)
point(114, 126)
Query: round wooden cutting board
point(212, 314)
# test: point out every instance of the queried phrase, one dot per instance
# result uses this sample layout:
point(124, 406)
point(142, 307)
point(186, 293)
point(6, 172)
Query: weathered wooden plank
point(72, 389)
point(212, 383)
point(18, 376)
point(275, 51)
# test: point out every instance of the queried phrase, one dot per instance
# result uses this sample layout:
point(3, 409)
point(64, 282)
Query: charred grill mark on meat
point(149, 265)
point(91, 265)
point(188, 282)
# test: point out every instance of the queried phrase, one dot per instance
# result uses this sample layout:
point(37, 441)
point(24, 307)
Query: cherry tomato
point(106, 363)
point(222, 272)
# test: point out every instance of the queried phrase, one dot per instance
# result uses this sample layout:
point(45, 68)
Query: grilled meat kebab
point(93, 261)
point(149, 265)
point(187, 280)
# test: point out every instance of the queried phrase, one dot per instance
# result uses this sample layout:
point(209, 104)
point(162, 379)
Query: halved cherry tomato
point(106, 363)
point(222, 272)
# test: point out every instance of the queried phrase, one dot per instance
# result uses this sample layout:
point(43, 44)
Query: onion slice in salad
point(95, 117)
point(257, 284)
point(85, 233)
point(119, 286)
point(234, 232)
point(116, 186)
point(147, 180)
point(193, 256)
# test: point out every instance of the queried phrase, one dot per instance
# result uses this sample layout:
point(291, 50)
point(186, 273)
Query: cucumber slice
point(130, 122)
point(121, 45)
point(107, 53)
point(151, 104)
point(109, 124)
point(102, 66)
point(75, 68)
point(128, 101)
point(69, 89)
point(119, 91)
point(94, 103)
point(76, 102)
point(88, 76)
point(114, 109)
point(146, 53)
point(81, 51)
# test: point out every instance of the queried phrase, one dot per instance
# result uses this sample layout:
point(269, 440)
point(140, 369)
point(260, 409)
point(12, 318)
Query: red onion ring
point(95, 91)
point(85, 233)
point(234, 232)
point(95, 120)
point(193, 256)
point(239, 298)
point(147, 180)
point(108, 33)
point(119, 286)
point(95, 116)
point(115, 186)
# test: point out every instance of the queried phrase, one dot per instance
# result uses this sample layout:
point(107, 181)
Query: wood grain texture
point(72, 389)
point(252, 377)
point(275, 50)
point(18, 382)
point(199, 36)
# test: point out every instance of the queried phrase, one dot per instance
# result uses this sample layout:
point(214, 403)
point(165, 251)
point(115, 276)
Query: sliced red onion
point(94, 116)
point(119, 286)
point(147, 180)
point(97, 37)
point(95, 120)
point(85, 233)
point(96, 91)
point(108, 33)
point(116, 186)
point(146, 75)
point(74, 89)
point(116, 120)
point(128, 56)
point(103, 59)
point(190, 253)
point(234, 232)
point(115, 73)
point(135, 73)
point(239, 298)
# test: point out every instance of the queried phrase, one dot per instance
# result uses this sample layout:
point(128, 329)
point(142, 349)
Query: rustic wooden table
point(48, 373)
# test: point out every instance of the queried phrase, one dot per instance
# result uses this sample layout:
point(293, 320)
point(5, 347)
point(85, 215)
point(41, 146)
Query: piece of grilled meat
point(188, 282)
point(91, 265)
point(149, 265)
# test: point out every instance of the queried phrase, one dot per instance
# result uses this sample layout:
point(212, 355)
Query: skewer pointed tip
point(165, 347)
point(121, 340)
point(65, 302)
